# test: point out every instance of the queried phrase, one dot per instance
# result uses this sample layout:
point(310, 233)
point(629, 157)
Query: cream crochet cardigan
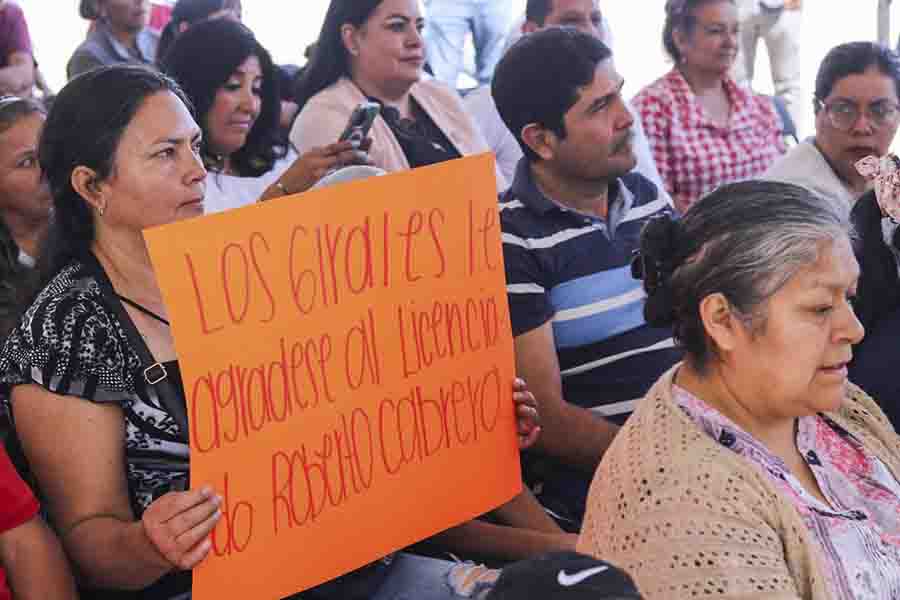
point(688, 518)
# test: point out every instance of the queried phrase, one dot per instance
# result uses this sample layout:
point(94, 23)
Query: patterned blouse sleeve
point(656, 118)
point(69, 344)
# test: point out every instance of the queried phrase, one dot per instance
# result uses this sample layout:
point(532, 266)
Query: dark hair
point(13, 108)
point(84, 128)
point(329, 61)
point(745, 241)
point(15, 281)
point(14, 276)
point(525, 94)
point(189, 12)
point(201, 60)
point(537, 11)
point(854, 59)
point(88, 10)
point(680, 15)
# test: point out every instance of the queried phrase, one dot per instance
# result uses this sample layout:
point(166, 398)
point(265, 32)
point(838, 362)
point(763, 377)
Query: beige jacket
point(688, 518)
point(325, 116)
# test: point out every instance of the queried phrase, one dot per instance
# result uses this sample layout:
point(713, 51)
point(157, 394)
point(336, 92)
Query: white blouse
point(224, 192)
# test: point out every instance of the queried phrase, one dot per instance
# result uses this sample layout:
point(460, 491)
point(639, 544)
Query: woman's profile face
point(128, 15)
point(388, 50)
point(712, 44)
point(235, 108)
point(157, 175)
point(796, 365)
point(22, 191)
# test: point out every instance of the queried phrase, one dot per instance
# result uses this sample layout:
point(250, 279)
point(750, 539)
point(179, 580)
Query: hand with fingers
point(318, 162)
point(527, 417)
point(178, 524)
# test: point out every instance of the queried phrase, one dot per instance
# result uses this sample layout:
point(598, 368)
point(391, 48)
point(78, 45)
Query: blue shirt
point(574, 270)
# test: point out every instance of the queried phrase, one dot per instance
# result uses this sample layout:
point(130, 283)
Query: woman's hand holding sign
point(179, 524)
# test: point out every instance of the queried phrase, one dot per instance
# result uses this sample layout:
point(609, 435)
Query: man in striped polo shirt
point(570, 222)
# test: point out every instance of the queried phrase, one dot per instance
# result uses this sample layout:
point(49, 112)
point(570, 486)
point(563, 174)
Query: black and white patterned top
point(73, 341)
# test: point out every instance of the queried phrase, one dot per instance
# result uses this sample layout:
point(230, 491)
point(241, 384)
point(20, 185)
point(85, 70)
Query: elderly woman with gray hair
point(754, 469)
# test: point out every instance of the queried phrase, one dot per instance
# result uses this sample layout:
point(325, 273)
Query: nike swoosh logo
point(567, 580)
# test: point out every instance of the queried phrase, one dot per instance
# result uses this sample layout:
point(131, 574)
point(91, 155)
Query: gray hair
point(745, 241)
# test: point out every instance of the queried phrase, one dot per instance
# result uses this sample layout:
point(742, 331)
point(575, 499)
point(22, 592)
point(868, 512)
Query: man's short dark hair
point(537, 11)
point(540, 77)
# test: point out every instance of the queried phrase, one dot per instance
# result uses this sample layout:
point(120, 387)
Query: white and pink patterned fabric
point(695, 155)
point(858, 529)
point(884, 173)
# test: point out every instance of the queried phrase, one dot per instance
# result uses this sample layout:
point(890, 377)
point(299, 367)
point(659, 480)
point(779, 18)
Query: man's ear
point(529, 27)
point(87, 184)
point(541, 141)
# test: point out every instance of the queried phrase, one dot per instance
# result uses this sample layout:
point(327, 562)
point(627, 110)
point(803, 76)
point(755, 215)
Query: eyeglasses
point(844, 114)
point(9, 101)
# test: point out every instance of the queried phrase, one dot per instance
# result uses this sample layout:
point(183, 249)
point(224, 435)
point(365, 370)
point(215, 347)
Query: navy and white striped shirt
point(574, 270)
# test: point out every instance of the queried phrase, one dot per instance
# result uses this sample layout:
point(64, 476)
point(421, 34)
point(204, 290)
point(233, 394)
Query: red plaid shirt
point(695, 155)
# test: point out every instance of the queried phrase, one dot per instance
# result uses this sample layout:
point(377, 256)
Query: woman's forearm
point(111, 553)
point(35, 564)
point(524, 511)
point(488, 540)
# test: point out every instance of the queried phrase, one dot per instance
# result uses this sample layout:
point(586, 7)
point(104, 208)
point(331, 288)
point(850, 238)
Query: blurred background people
point(857, 108)
point(373, 50)
point(777, 23)
point(17, 66)
point(704, 129)
point(449, 24)
point(186, 13)
point(119, 35)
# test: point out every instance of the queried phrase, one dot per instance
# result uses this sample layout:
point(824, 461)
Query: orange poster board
point(348, 364)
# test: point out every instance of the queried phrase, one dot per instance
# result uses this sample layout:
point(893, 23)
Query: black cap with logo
point(563, 576)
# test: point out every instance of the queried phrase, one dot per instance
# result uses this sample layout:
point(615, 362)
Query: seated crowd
point(687, 297)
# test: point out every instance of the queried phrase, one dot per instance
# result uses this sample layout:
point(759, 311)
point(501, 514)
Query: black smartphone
point(361, 120)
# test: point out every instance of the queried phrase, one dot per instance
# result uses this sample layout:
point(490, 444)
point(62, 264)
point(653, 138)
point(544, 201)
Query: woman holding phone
point(373, 51)
point(232, 82)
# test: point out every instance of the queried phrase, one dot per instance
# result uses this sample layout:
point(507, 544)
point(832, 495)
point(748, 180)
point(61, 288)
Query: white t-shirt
point(224, 192)
point(805, 166)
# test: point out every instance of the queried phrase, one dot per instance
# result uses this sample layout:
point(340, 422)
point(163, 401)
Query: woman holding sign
point(373, 50)
point(91, 370)
point(233, 84)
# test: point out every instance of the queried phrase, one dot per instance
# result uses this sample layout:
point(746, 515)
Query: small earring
point(354, 51)
point(101, 209)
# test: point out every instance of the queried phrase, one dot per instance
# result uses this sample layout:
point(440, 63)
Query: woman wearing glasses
point(856, 104)
point(856, 107)
point(705, 130)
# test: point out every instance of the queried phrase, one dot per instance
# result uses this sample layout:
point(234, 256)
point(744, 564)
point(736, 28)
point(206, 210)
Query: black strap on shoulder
point(151, 372)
